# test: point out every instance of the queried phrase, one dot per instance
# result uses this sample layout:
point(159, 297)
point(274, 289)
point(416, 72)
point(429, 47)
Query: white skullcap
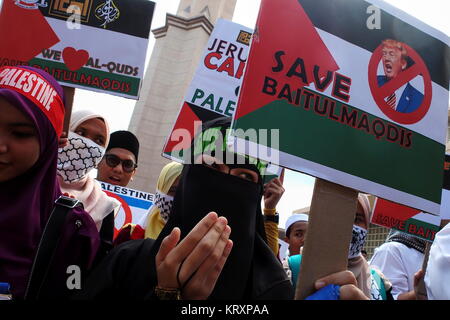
point(296, 217)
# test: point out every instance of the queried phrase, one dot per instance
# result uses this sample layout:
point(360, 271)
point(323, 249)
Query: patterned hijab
point(408, 240)
point(160, 211)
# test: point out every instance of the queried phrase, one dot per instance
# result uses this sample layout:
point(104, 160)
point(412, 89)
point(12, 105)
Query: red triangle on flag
point(394, 210)
point(24, 33)
point(185, 122)
point(282, 26)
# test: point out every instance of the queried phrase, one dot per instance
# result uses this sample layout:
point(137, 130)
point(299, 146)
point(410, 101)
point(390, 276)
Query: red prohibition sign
point(126, 209)
point(380, 93)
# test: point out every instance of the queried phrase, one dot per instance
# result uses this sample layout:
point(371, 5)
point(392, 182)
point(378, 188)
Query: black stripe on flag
point(347, 19)
point(203, 114)
point(132, 17)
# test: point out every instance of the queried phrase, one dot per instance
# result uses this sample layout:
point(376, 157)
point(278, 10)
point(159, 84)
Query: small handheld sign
point(135, 204)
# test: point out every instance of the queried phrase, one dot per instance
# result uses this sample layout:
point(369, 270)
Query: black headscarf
point(252, 270)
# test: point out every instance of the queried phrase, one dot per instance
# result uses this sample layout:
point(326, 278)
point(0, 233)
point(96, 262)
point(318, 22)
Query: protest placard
point(214, 89)
point(421, 224)
point(135, 204)
point(409, 220)
point(319, 74)
point(98, 45)
point(326, 86)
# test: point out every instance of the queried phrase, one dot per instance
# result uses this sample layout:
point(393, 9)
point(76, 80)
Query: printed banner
point(358, 100)
point(412, 221)
point(215, 86)
point(135, 204)
point(98, 45)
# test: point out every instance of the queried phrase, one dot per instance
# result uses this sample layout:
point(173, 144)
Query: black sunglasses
point(113, 161)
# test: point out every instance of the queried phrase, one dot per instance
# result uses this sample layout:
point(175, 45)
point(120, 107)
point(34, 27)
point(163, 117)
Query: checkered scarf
point(164, 203)
point(78, 158)
point(358, 239)
point(408, 240)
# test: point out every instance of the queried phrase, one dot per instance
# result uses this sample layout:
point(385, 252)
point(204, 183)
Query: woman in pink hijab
point(370, 281)
point(87, 140)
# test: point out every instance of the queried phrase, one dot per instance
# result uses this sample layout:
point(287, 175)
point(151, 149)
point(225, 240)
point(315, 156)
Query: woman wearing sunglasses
point(120, 161)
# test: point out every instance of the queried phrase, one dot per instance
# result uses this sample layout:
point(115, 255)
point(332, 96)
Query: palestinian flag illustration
point(99, 45)
point(189, 120)
point(346, 110)
point(408, 220)
point(214, 88)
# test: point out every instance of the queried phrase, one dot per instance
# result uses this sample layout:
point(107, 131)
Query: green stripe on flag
point(414, 168)
point(421, 229)
point(90, 78)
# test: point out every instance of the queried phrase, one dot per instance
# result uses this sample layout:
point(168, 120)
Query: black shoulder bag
point(48, 244)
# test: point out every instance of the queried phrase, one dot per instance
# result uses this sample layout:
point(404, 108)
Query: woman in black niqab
point(251, 270)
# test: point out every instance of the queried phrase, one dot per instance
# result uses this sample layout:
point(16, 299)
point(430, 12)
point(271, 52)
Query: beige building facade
point(176, 54)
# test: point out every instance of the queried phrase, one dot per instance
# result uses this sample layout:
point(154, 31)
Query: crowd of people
point(212, 232)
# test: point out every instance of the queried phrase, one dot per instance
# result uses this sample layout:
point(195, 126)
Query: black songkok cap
point(125, 140)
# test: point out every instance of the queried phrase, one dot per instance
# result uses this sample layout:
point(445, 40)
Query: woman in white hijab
point(88, 137)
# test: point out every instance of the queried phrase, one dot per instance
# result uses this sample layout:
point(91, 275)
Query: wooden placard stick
point(331, 219)
point(69, 94)
point(282, 176)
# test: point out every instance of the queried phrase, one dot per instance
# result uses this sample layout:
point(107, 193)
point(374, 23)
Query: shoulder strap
point(106, 236)
point(107, 228)
point(380, 283)
point(48, 244)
